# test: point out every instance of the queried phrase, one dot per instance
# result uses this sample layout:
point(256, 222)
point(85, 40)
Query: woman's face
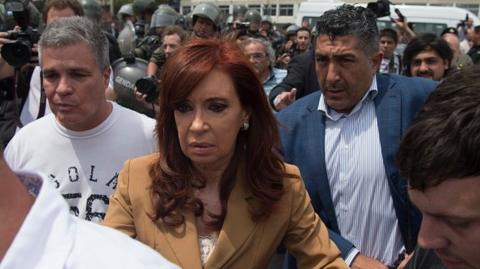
point(209, 120)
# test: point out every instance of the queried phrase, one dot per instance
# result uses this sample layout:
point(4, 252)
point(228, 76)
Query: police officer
point(253, 18)
point(143, 10)
point(162, 17)
point(127, 37)
point(93, 11)
point(206, 18)
point(267, 30)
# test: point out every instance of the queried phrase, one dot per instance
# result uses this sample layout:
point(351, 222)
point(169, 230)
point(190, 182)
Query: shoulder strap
point(43, 99)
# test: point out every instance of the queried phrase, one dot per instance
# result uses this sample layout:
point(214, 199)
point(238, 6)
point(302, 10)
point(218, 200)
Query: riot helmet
point(92, 9)
point(141, 7)
point(239, 11)
point(126, 72)
point(252, 16)
point(163, 16)
point(125, 10)
point(292, 30)
point(207, 11)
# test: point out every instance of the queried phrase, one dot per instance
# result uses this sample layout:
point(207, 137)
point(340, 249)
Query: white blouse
point(207, 243)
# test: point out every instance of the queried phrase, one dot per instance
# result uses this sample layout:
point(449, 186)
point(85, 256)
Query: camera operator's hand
point(6, 70)
point(3, 38)
point(289, 44)
point(143, 98)
point(283, 59)
point(405, 31)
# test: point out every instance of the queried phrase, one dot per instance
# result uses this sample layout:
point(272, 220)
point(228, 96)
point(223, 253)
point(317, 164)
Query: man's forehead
point(427, 54)
point(453, 197)
point(332, 40)
point(63, 57)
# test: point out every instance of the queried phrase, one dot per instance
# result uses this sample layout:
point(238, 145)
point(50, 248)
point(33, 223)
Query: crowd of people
point(326, 147)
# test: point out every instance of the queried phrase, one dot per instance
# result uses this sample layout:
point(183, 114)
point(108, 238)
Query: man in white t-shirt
point(38, 232)
point(83, 144)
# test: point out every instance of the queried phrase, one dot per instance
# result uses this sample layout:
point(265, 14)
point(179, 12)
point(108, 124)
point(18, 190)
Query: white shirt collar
point(334, 115)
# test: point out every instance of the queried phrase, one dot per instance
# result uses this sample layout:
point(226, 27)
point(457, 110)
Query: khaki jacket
point(242, 243)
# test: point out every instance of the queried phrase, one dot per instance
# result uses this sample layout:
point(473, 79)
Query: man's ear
point(106, 76)
point(377, 60)
point(447, 64)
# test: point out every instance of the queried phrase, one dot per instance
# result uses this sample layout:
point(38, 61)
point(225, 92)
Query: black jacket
point(301, 75)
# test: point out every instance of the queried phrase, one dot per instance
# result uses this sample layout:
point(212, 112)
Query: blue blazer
point(302, 131)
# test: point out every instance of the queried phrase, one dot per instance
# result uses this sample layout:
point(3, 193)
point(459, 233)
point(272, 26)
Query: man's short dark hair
point(62, 4)
point(389, 32)
point(444, 140)
point(304, 29)
point(422, 42)
point(175, 29)
point(351, 20)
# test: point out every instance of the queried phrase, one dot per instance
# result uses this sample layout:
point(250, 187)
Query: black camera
point(19, 51)
point(400, 15)
point(150, 87)
point(463, 23)
point(381, 8)
point(242, 27)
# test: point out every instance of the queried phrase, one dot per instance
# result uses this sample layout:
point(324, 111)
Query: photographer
point(19, 57)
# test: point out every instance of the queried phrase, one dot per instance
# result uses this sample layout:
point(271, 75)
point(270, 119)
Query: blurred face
point(387, 46)
point(209, 120)
point(303, 39)
point(204, 28)
point(54, 14)
point(254, 26)
point(170, 44)
point(428, 64)
point(474, 36)
point(344, 71)
point(451, 221)
point(266, 26)
point(159, 30)
point(257, 54)
point(75, 86)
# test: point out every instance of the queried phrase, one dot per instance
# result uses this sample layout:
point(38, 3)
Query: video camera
point(381, 8)
point(150, 87)
point(463, 23)
point(19, 52)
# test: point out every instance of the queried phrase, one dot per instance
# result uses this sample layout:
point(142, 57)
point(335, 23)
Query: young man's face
point(303, 39)
point(451, 221)
point(387, 46)
point(428, 64)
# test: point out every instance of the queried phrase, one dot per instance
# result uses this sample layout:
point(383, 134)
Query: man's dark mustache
point(429, 73)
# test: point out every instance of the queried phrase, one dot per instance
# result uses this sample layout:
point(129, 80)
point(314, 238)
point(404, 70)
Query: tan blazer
point(242, 243)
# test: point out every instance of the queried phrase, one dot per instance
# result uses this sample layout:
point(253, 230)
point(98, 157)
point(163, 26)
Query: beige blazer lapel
point(182, 241)
point(237, 227)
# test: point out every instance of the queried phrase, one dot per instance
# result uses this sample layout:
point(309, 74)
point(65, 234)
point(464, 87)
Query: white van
point(424, 18)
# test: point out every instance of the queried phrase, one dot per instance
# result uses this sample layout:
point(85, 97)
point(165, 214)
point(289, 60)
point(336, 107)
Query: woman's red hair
point(174, 177)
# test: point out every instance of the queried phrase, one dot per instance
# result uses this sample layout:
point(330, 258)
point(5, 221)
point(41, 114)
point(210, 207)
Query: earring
point(245, 126)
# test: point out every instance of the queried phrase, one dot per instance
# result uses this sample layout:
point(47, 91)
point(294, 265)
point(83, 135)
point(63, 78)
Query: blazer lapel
point(182, 240)
point(237, 227)
point(388, 109)
point(316, 144)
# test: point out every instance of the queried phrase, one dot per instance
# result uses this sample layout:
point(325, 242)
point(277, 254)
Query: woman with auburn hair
point(218, 194)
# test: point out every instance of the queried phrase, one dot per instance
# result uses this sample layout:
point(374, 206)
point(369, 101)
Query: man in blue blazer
point(344, 139)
